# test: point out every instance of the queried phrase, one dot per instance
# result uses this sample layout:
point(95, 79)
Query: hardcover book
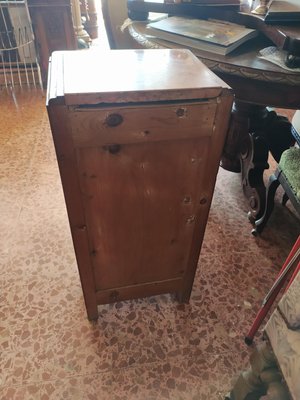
point(283, 10)
point(207, 35)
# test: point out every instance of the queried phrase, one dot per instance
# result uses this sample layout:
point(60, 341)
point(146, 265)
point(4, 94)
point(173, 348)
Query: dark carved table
point(255, 129)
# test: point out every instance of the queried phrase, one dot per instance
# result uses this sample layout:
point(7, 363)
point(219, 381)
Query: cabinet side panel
point(206, 190)
point(60, 126)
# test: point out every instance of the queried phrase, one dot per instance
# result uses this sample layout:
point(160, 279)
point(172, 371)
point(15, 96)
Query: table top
point(150, 75)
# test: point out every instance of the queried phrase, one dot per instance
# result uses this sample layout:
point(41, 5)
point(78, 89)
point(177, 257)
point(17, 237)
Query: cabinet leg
point(92, 312)
point(183, 296)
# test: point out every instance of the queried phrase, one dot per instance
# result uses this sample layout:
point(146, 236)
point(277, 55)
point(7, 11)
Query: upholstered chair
point(287, 175)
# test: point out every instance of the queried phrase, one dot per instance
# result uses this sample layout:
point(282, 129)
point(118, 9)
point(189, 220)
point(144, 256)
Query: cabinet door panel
point(141, 203)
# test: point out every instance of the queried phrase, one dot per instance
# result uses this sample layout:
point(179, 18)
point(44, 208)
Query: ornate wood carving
point(91, 24)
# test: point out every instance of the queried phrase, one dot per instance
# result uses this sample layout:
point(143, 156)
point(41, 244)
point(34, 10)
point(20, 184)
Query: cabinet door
point(141, 197)
point(140, 206)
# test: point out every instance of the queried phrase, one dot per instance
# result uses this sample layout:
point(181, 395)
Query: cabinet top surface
point(94, 76)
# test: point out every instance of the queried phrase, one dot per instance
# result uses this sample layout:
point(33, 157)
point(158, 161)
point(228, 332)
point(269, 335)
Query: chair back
point(296, 126)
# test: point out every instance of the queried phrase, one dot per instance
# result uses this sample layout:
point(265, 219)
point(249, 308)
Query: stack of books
point(207, 35)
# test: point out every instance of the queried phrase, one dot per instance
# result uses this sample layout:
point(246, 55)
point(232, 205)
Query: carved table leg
point(254, 131)
point(92, 21)
point(80, 33)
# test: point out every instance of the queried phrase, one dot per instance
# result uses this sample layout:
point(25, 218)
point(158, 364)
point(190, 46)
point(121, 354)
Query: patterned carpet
point(144, 349)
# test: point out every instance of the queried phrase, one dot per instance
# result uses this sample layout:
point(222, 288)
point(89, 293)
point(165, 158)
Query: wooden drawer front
point(141, 205)
point(102, 126)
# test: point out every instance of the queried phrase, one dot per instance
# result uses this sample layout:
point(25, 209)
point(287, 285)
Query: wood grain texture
point(206, 189)
point(58, 116)
point(181, 120)
point(140, 206)
point(136, 76)
point(138, 291)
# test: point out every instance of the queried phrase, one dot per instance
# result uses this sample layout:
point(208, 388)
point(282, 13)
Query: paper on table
point(277, 57)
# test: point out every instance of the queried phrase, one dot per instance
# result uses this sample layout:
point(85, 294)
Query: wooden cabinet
point(53, 28)
point(138, 139)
